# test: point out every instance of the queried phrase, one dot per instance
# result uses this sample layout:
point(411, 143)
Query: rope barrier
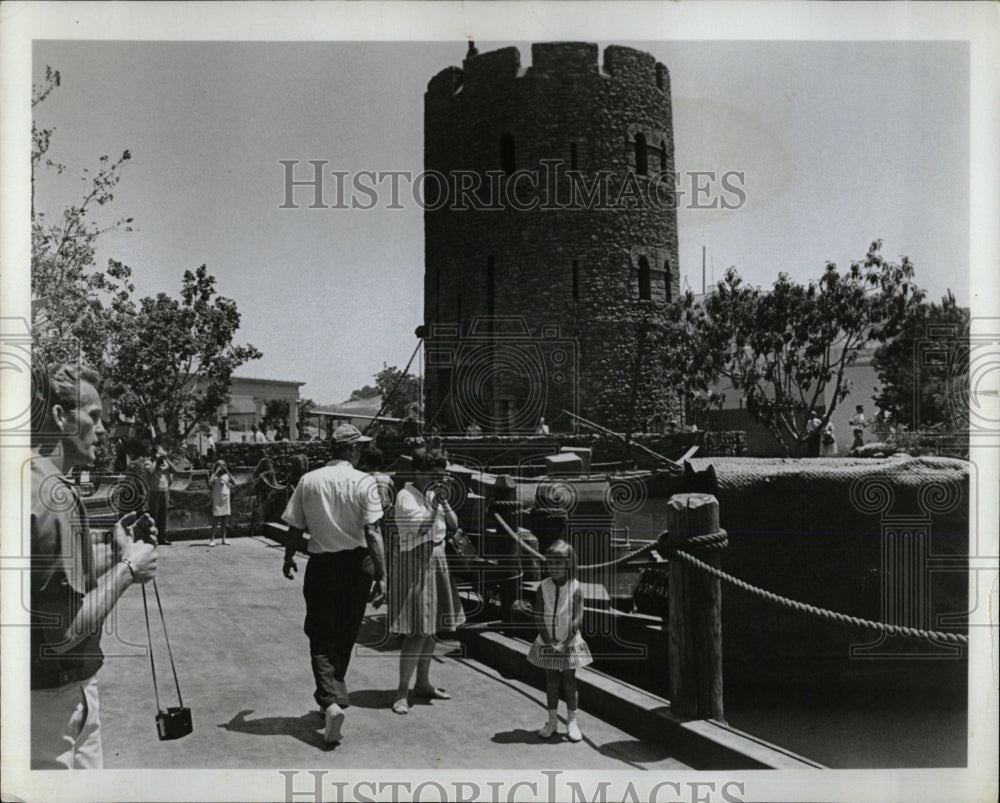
point(638, 553)
point(822, 613)
point(673, 542)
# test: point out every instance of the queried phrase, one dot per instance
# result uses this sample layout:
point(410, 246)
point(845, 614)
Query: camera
point(174, 723)
point(143, 526)
point(499, 375)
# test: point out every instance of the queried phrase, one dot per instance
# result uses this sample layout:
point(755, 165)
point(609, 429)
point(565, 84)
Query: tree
point(367, 392)
point(173, 359)
point(161, 358)
point(71, 300)
point(399, 390)
point(924, 370)
point(787, 350)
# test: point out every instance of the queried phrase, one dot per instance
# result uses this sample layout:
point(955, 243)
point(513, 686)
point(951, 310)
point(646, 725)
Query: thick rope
point(638, 553)
point(644, 550)
point(822, 613)
point(673, 542)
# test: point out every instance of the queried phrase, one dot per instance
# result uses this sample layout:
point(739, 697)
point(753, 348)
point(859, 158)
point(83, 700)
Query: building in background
point(248, 397)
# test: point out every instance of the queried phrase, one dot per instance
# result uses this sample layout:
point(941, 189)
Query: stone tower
point(548, 233)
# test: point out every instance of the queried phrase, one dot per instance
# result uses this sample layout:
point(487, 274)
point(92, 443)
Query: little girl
point(220, 482)
point(560, 649)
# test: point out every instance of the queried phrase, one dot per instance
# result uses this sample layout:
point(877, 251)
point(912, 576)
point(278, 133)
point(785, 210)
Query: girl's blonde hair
point(563, 549)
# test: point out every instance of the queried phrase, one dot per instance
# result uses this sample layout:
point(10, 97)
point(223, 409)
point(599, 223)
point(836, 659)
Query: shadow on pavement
point(373, 698)
point(521, 736)
point(306, 728)
point(635, 752)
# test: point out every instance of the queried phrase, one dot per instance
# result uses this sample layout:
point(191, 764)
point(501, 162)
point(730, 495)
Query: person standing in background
point(159, 472)
point(857, 422)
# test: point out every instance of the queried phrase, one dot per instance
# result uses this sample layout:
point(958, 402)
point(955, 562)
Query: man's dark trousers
point(159, 503)
point(336, 587)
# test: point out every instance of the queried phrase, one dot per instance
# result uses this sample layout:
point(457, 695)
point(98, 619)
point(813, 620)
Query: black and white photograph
point(521, 401)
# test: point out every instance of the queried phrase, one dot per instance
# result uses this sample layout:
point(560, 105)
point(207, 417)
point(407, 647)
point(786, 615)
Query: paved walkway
point(235, 626)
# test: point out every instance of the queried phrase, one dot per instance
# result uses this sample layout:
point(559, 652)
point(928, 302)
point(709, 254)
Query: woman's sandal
point(432, 694)
point(401, 706)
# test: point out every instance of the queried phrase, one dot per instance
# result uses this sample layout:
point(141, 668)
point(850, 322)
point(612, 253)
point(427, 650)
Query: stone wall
point(568, 267)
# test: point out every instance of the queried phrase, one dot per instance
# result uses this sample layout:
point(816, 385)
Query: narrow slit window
point(490, 277)
point(507, 153)
point(641, 164)
point(645, 283)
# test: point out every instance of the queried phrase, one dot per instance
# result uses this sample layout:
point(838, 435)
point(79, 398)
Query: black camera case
point(174, 723)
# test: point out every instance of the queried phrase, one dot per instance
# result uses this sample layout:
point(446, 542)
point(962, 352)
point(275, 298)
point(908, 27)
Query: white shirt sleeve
point(369, 500)
point(294, 514)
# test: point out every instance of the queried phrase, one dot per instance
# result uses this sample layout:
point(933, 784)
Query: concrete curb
point(705, 744)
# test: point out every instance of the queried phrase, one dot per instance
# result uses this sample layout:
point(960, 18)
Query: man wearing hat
point(340, 508)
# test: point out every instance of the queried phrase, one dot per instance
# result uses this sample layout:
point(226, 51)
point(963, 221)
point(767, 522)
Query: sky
point(841, 143)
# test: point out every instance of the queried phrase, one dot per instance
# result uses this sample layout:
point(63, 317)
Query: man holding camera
point(340, 508)
point(159, 471)
point(76, 581)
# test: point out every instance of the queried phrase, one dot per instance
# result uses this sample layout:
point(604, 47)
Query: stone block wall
point(568, 262)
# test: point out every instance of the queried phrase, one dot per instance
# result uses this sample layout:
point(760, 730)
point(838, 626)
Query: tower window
point(576, 280)
point(660, 71)
point(645, 283)
point(507, 161)
point(641, 165)
point(666, 280)
point(490, 277)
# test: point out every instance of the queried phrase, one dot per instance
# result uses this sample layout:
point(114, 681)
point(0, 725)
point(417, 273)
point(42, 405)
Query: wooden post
point(695, 617)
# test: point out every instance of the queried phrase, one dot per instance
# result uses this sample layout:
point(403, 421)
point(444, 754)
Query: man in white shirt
point(340, 508)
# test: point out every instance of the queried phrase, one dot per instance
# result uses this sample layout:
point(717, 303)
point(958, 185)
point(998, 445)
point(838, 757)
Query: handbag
point(173, 722)
point(460, 552)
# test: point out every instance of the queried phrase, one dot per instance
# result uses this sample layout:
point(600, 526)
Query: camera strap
point(149, 640)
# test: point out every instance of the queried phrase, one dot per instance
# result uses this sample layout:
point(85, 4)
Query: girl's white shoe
point(573, 732)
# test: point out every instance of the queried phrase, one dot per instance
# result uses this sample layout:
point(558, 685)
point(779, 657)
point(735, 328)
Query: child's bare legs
point(215, 529)
point(222, 527)
point(552, 681)
point(569, 685)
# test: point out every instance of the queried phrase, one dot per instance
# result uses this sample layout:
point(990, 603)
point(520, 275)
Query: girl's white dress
point(558, 610)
